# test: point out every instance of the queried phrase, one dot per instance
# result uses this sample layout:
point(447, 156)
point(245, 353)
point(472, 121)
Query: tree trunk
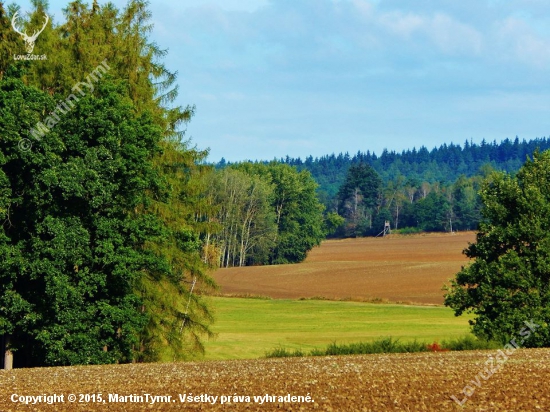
point(8, 354)
point(396, 214)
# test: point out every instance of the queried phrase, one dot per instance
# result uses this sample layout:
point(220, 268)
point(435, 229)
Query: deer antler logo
point(29, 40)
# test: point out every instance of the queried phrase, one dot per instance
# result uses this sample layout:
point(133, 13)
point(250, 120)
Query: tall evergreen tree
point(167, 294)
point(358, 195)
point(10, 42)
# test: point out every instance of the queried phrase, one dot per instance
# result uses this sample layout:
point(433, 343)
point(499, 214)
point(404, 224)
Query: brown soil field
point(393, 382)
point(405, 269)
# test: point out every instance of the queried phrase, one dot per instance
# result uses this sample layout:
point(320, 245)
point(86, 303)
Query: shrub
point(284, 353)
point(470, 342)
point(390, 345)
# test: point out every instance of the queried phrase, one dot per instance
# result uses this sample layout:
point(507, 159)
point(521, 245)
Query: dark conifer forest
point(414, 190)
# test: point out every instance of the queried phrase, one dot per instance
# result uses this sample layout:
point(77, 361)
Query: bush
point(408, 231)
point(390, 345)
point(284, 353)
point(470, 342)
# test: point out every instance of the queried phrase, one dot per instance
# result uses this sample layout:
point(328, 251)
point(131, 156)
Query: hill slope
point(409, 269)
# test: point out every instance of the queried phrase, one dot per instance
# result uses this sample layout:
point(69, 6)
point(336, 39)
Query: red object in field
point(435, 347)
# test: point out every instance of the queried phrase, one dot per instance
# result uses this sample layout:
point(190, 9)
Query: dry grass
point(409, 269)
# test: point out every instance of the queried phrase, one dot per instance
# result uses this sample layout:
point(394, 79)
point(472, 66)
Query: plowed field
point(407, 269)
point(394, 382)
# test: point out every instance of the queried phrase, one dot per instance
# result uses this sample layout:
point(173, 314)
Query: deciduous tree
point(75, 234)
point(508, 281)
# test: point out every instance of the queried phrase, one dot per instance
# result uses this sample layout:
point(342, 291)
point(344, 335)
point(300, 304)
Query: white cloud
point(402, 24)
point(363, 8)
point(454, 37)
point(518, 40)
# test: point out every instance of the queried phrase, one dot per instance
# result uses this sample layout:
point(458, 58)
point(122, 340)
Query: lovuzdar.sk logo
point(29, 40)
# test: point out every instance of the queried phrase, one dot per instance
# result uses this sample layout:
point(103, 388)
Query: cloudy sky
point(271, 78)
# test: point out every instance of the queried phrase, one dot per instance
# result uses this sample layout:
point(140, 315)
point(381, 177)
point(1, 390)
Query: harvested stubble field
point(393, 382)
point(406, 269)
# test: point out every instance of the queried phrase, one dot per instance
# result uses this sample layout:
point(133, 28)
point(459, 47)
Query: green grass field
point(248, 328)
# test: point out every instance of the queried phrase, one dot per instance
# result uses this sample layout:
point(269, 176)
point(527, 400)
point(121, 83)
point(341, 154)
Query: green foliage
point(408, 231)
point(451, 172)
point(332, 223)
point(387, 345)
point(445, 163)
point(433, 190)
point(299, 214)
point(243, 209)
point(103, 214)
point(357, 198)
point(431, 212)
point(469, 342)
point(269, 213)
point(178, 318)
point(507, 283)
point(10, 41)
point(74, 240)
point(284, 353)
point(382, 345)
point(466, 203)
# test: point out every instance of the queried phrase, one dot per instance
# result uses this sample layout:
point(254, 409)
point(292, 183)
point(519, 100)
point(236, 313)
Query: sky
point(271, 78)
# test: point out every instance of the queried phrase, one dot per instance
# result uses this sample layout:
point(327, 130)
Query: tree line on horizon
point(441, 164)
point(415, 190)
point(367, 204)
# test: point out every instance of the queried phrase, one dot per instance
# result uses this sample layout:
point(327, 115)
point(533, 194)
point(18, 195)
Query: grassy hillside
point(247, 328)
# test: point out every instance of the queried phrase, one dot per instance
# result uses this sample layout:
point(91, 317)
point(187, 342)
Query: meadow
point(330, 296)
point(248, 328)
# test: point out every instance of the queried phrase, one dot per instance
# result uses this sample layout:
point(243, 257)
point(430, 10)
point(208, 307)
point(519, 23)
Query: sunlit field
point(247, 328)
point(407, 269)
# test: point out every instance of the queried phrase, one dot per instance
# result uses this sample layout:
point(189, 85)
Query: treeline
point(443, 164)
point(415, 190)
point(367, 203)
point(267, 214)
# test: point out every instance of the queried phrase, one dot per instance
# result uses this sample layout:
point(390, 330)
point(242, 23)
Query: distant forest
point(415, 190)
point(443, 164)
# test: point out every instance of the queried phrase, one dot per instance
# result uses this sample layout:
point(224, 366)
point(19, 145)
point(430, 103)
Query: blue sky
point(271, 78)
